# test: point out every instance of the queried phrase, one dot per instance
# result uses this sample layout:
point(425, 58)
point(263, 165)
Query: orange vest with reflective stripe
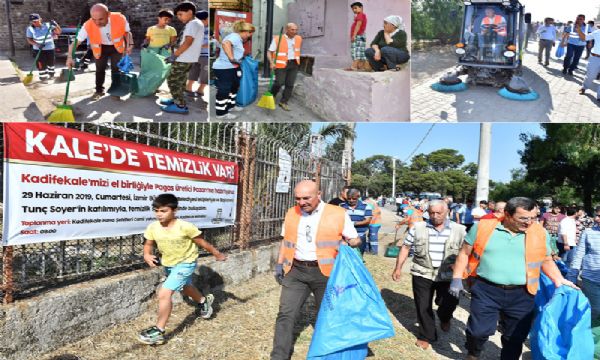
point(329, 235)
point(501, 29)
point(415, 217)
point(535, 251)
point(117, 33)
point(281, 57)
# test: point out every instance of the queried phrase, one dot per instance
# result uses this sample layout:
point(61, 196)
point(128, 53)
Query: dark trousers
point(228, 84)
point(390, 56)
point(295, 289)
point(488, 302)
point(108, 52)
point(545, 48)
point(45, 63)
point(423, 291)
point(285, 78)
point(572, 57)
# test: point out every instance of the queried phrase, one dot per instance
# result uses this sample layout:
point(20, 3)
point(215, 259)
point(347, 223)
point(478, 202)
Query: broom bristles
point(63, 113)
point(267, 101)
point(28, 79)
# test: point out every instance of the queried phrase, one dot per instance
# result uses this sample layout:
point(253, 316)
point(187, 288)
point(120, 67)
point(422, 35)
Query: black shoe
point(564, 71)
point(581, 91)
point(571, 72)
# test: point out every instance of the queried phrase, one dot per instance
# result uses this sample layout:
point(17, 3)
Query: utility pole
point(268, 39)
point(11, 38)
point(483, 169)
point(393, 177)
point(347, 156)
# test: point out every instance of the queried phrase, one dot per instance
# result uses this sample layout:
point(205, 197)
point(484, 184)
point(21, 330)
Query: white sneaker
point(236, 108)
point(227, 116)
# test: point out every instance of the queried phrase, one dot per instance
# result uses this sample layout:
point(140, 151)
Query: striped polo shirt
point(359, 213)
point(587, 254)
point(437, 241)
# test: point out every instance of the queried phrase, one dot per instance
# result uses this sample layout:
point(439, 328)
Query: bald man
point(436, 244)
point(312, 233)
point(109, 37)
point(286, 62)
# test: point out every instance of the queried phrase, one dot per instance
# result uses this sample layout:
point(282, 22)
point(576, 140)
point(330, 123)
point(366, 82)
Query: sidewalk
point(16, 103)
point(51, 93)
point(559, 99)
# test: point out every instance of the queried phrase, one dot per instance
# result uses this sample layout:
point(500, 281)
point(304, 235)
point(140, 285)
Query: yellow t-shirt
point(175, 244)
point(160, 37)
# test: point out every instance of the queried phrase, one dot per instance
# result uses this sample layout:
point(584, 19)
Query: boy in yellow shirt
point(161, 35)
point(177, 242)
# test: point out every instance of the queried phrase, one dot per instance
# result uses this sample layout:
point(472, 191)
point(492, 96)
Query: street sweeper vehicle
point(490, 50)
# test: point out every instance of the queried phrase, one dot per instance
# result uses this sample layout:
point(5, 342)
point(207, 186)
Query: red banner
point(224, 20)
point(44, 143)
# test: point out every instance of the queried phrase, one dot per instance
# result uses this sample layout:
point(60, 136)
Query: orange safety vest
point(415, 217)
point(117, 33)
point(329, 235)
point(281, 58)
point(376, 218)
point(501, 30)
point(535, 251)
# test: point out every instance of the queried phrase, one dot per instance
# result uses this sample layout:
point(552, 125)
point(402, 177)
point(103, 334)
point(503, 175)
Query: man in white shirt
point(305, 259)
point(284, 55)
point(567, 236)
point(593, 67)
point(101, 32)
point(547, 34)
point(480, 211)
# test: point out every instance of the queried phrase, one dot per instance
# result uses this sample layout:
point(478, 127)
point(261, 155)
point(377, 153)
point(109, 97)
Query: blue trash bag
point(564, 270)
point(125, 64)
point(248, 83)
point(562, 328)
point(560, 51)
point(352, 312)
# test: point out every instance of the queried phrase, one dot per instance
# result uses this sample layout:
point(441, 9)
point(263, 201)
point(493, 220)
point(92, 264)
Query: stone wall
point(62, 316)
point(140, 13)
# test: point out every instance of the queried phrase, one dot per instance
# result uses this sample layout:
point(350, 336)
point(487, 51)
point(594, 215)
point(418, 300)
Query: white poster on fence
point(63, 184)
point(285, 172)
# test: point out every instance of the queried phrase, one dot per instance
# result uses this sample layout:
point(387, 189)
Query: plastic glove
point(279, 274)
point(145, 43)
point(54, 23)
point(456, 286)
point(167, 47)
point(171, 59)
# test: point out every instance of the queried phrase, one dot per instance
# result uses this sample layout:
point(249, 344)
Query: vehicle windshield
point(488, 29)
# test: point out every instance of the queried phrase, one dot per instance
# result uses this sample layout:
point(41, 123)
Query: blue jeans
point(567, 257)
point(179, 276)
point(487, 303)
point(363, 242)
point(591, 290)
point(573, 55)
point(374, 238)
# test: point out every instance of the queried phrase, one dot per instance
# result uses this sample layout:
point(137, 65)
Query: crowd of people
point(108, 37)
point(576, 37)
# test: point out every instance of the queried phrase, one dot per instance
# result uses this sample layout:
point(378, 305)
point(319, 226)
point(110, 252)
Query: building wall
point(140, 13)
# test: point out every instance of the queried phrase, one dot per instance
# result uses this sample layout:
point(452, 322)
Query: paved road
point(50, 93)
point(559, 99)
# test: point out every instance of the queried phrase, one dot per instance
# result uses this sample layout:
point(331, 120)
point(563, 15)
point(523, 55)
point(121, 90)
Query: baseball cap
point(33, 17)
point(202, 15)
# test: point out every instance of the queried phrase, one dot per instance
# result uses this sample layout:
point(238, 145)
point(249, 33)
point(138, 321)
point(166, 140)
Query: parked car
point(65, 39)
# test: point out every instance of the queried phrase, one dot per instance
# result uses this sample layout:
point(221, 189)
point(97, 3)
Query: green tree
point(568, 155)
point(436, 20)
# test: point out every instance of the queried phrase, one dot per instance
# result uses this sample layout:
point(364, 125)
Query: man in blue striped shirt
point(587, 259)
point(360, 214)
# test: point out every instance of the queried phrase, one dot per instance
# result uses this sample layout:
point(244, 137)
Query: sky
point(560, 9)
point(400, 139)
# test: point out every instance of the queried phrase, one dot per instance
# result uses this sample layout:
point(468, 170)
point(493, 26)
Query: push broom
point(64, 112)
point(267, 101)
point(29, 77)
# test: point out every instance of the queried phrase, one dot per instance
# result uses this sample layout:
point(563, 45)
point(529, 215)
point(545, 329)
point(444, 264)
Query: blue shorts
point(179, 275)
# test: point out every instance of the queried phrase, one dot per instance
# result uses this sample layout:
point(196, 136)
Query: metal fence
point(30, 269)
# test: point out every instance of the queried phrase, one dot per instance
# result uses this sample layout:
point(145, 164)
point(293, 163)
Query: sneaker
point(205, 309)
point(193, 94)
point(284, 106)
point(564, 71)
point(570, 72)
point(236, 108)
point(227, 116)
point(175, 109)
point(582, 91)
point(166, 101)
point(97, 95)
point(152, 336)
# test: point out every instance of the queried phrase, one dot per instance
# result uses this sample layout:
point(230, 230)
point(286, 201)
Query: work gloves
point(167, 47)
point(145, 43)
point(279, 274)
point(171, 59)
point(54, 23)
point(456, 286)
